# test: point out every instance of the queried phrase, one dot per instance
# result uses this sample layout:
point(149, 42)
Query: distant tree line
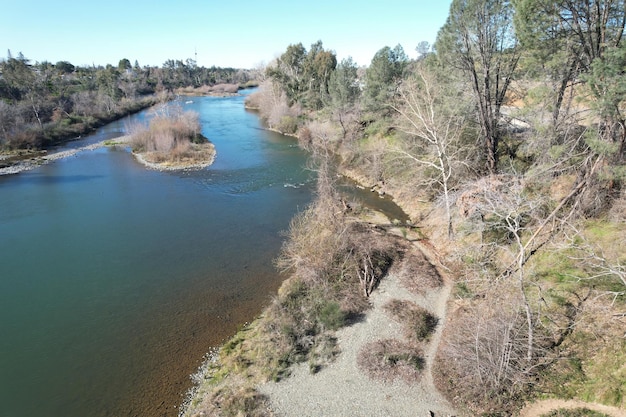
point(41, 102)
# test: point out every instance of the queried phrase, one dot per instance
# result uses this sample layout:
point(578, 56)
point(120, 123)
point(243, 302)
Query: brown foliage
point(172, 136)
point(167, 132)
point(235, 401)
point(416, 273)
point(482, 361)
point(391, 359)
point(418, 323)
point(271, 102)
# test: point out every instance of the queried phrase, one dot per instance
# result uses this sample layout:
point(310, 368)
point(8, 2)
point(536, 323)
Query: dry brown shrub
point(391, 359)
point(417, 323)
point(231, 401)
point(481, 363)
point(172, 136)
point(417, 274)
point(225, 88)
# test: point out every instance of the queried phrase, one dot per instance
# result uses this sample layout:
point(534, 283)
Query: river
point(115, 280)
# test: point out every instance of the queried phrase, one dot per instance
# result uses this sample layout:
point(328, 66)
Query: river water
point(115, 280)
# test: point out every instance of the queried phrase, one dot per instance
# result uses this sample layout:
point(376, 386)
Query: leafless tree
point(510, 210)
point(596, 262)
point(434, 129)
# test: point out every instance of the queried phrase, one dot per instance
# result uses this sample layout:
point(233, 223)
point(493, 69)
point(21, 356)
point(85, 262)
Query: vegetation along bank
point(507, 150)
point(504, 142)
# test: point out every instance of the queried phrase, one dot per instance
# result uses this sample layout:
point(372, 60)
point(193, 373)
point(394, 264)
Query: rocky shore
point(32, 162)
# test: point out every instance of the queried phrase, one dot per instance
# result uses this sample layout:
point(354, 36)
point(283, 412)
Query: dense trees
point(41, 102)
point(509, 133)
point(382, 78)
point(304, 76)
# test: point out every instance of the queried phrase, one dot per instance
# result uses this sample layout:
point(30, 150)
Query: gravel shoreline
point(343, 389)
point(27, 165)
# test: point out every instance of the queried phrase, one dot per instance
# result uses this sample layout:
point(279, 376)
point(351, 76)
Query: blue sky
point(226, 33)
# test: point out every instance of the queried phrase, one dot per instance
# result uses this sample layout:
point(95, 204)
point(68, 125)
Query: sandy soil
point(539, 408)
point(343, 389)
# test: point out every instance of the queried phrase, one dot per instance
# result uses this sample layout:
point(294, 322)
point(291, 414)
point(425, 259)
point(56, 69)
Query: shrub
point(172, 136)
point(417, 274)
point(391, 359)
point(417, 322)
point(331, 316)
point(287, 124)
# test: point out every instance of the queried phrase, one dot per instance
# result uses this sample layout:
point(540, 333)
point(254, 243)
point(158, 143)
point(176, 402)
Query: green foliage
point(343, 89)
point(124, 65)
point(304, 76)
point(287, 124)
point(331, 316)
point(385, 71)
point(64, 67)
point(478, 40)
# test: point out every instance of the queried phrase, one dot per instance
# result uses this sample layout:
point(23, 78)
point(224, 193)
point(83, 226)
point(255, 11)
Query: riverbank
point(335, 379)
point(349, 386)
point(40, 159)
point(217, 90)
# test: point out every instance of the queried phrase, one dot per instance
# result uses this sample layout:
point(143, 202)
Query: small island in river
point(172, 141)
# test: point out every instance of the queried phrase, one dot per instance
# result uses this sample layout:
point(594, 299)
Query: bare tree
point(595, 262)
point(433, 131)
point(511, 210)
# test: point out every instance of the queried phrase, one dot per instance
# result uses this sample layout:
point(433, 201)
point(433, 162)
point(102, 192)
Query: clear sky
point(226, 33)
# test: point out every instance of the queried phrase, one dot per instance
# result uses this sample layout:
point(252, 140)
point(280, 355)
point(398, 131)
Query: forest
point(505, 143)
point(43, 103)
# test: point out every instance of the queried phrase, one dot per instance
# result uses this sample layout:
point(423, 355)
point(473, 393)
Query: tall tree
point(304, 76)
point(478, 39)
point(343, 93)
point(382, 78)
point(288, 71)
point(432, 117)
point(566, 36)
point(584, 38)
point(318, 65)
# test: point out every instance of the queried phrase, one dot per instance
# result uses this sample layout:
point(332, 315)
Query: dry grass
point(391, 359)
point(210, 90)
point(172, 139)
point(417, 323)
point(234, 400)
point(417, 274)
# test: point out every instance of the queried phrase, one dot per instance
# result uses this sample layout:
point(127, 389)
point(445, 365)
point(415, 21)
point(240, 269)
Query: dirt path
point(539, 408)
point(343, 389)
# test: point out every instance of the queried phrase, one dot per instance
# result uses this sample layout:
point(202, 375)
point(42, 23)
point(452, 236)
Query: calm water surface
point(115, 279)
